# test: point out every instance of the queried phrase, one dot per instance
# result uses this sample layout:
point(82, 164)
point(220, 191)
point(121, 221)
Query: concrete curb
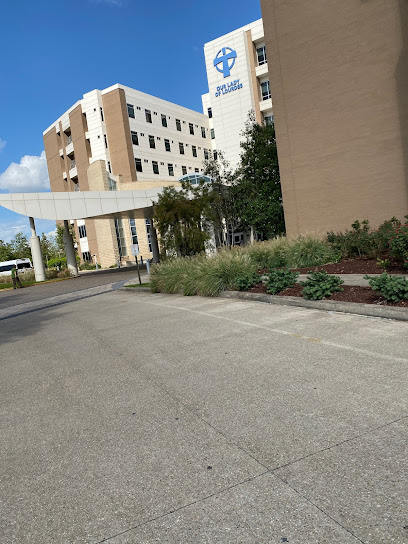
point(136, 289)
point(371, 310)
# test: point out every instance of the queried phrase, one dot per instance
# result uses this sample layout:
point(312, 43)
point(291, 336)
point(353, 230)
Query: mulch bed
point(359, 265)
point(363, 295)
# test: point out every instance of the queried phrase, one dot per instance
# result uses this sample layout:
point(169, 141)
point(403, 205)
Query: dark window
point(148, 114)
point(155, 167)
point(209, 111)
point(212, 134)
point(196, 169)
point(135, 139)
point(106, 141)
point(191, 127)
point(261, 55)
point(206, 155)
point(167, 145)
point(215, 155)
point(133, 232)
point(178, 124)
point(148, 233)
point(268, 119)
point(138, 163)
point(194, 150)
point(101, 113)
point(152, 142)
point(171, 169)
point(120, 237)
point(266, 90)
point(131, 110)
point(109, 168)
point(181, 148)
point(112, 184)
point(82, 231)
point(164, 120)
point(184, 170)
point(203, 132)
point(86, 256)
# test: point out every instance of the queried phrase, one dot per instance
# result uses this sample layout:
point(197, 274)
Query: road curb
point(136, 289)
point(371, 310)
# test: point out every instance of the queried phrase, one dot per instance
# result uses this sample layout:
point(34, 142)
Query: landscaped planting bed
point(359, 265)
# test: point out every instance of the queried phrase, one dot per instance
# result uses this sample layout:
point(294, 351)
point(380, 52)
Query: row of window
point(164, 119)
point(167, 144)
point(170, 166)
point(120, 235)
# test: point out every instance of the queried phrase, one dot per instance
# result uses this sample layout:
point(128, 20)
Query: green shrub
point(279, 280)
point(268, 254)
point(320, 285)
point(308, 251)
point(383, 263)
point(247, 280)
point(393, 288)
point(54, 263)
point(398, 243)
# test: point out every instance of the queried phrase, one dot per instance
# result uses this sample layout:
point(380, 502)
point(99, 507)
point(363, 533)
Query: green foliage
point(307, 251)
point(6, 251)
point(258, 180)
point(393, 288)
point(247, 280)
point(279, 280)
point(320, 285)
point(398, 243)
point(383, 263)
point(268, 254)
point(89, 266)
point(58, 262)
point(59, 238)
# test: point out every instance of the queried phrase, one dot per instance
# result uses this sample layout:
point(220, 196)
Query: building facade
point(340, 95)
point(238, 82)
point(122, 139)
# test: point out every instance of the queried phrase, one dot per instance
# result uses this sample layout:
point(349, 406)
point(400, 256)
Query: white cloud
point(30, 175)
point(2, 144)
point(9, 230)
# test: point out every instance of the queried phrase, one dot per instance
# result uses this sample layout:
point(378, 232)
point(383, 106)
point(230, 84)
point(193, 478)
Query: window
point(184, 170)
point(86, 256)
point(196, 169)
point(152, 142)
point(133, 232)
point(203, 132)
point(111, 184)
point(155, 167)
point(131, 110)
point(109, 168)
point(82, 231)
point(164, 120)
point(101, 113)
point(194, 150)
point(167, 145)
point(106, 141)
point(209, 111)
point(138, 163)
point(148, 114)
point(215, 155)
point(171, 169)
point(149, 234)
point(135, 138)
point(178, 124)
point(268, 119)
point(260, 51)
point(206, 155)
point(265, 90)
point(191, 127)
point(120, 237)
point(212, 134)
point(181, 148)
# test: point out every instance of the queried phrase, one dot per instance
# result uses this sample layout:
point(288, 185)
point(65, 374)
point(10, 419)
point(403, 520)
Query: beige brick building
point(122, 139)
point(339, 84)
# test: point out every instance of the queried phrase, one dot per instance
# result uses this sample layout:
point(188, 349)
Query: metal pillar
point(38, 262)
point(155, 245)
point(70, 251)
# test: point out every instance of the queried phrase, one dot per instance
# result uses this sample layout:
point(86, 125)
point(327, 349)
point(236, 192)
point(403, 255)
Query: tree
point(180, 216)
point(259, 185)
point(6, 252)
point(20, 246)
point(48, 247)
point(59, 238)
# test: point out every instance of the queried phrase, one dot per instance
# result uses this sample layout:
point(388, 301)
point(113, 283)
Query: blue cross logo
point(225, 60)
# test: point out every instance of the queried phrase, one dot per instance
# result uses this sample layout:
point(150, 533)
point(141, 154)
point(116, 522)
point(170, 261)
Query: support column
point(38, 262)
point(70, 251)
point(153, 241)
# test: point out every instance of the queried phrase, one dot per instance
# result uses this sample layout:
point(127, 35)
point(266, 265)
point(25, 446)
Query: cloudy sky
point(54, 51)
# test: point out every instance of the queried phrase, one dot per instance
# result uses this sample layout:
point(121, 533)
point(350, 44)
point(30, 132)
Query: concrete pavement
point(139, 418)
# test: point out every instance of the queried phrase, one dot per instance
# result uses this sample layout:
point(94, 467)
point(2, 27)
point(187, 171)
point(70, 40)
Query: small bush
point(57, 262)
point(360, 241)
point(383, 263)
point(247, 280)
point(320, 285)
point(279, 280)
point(398, 243)
point(308, 251)
point(268, 254)
point(393, 288)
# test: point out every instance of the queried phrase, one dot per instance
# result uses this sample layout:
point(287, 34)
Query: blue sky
point(54, 51)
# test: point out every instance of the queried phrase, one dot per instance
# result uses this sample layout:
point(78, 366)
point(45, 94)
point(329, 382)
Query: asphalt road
point(138, 418)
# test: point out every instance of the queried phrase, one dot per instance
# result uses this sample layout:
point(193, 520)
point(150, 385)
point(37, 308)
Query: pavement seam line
point(183, 507)
point(285, 333)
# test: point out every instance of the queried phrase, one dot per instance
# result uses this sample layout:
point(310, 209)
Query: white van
point(20, 264)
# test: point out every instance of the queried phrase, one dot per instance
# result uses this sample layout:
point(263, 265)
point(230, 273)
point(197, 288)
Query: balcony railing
point(69, 139)
point(72, 164)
